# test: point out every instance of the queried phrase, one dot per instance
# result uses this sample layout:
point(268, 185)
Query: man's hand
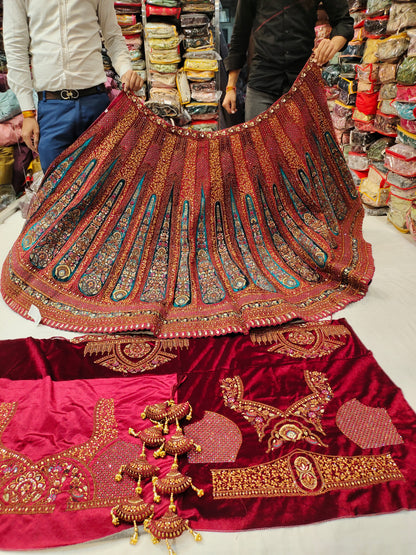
point(229, 102)
point(327, 49)
point(131, 81)
point(30, 133)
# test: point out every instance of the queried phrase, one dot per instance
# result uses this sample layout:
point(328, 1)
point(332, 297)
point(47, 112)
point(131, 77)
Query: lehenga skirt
point(141, 225)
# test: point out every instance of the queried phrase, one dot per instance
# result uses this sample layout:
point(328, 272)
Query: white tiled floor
point(385, 321)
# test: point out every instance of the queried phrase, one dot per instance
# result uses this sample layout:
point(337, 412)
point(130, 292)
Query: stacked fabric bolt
point(162, 44)
point(200, 66)
point(130, 20)
point(372, 93)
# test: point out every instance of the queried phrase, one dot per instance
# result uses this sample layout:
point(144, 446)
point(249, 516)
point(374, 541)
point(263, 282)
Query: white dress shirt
point(61, 41)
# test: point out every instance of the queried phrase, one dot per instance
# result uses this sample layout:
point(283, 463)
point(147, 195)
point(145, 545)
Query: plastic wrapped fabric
point(9, 105)
point(357, 161)
point(367, 102)
point(406, 93)
point(368, 72)
point(165, 43)
point(387, 72)
point(375, 27)
point(378, 7)
point(374, 189)
point(194, 20)
point(346, 98)
point(411, 219)
point(388, 91)
point(405, 136)
point(361, 140)
point(376, 151)
point(183, 87)
point(200, 64)
point(369, 56)
point(354, 49)
point(402, 16)
point(357, 5)
point(163, 68)
point(401, 159)
point(347, 85)
point(406, 72)
point(386, 124)
point(162, 80)
point(160, 30)
point(330, 74)
point(408, 125)
point(411, 49)
point(392, 48)
point(387, 107)
point(405, 110)
point(399, 206)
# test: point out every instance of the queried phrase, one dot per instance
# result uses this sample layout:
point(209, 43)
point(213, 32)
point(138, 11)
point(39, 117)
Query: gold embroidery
point(83, 472)
point(303, 473)
point(303, 340)
point(130, 354)
point(259, 415)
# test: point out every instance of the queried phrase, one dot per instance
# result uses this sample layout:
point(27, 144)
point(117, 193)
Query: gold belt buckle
point(69, 94)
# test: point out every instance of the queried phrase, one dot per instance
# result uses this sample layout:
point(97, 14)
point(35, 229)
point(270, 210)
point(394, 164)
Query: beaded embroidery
point(303, 473)
point(220, 439)
point(130, 354)
point(368, 427)
point(303, 340)
point(309, 409)
point(141, 225)
point(84, 473)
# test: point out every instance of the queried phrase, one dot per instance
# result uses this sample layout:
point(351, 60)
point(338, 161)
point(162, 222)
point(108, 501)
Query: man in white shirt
point(54, 47)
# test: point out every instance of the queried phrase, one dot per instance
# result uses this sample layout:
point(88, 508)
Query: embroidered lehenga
point(144, 226)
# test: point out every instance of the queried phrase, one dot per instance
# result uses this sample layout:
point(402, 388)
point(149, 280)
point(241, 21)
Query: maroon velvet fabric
point(278, 380)
point(57, 384)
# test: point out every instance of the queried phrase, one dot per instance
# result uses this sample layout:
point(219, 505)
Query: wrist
point(230, 88)
point(29, 113)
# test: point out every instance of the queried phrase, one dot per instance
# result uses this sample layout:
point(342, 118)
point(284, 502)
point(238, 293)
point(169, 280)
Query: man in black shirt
point(283, 35)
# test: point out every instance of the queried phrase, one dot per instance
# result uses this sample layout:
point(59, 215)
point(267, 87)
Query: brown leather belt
point(70, 94)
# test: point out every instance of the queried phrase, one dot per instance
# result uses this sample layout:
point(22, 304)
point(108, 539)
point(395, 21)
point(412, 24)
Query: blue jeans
point(61, 122)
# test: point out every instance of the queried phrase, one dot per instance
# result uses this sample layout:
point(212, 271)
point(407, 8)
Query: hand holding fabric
point(30, 133)
point(327, 48)
point(131, 81)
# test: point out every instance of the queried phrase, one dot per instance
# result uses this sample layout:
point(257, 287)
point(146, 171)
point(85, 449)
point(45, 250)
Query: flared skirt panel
point(140, 225)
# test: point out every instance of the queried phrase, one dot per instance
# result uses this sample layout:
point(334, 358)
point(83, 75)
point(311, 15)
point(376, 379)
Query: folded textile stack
point(129, 17)
point(372, 94)
point(162, 44)
point(201, 64)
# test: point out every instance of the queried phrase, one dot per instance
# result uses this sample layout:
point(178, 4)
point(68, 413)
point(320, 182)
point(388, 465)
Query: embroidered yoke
point(143, 225)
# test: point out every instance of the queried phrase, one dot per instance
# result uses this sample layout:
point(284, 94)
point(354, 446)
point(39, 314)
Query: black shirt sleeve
point(339, 17)
point(240, 38)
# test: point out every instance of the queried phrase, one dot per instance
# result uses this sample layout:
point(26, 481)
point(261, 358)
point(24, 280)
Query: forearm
point(16, 45)
point(113, 38)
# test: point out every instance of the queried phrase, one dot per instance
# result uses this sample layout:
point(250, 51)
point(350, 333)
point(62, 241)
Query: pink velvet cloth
point(43, 444)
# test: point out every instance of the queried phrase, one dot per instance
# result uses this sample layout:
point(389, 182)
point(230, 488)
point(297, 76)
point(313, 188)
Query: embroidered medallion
point(368, 427)
point(302, 473)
